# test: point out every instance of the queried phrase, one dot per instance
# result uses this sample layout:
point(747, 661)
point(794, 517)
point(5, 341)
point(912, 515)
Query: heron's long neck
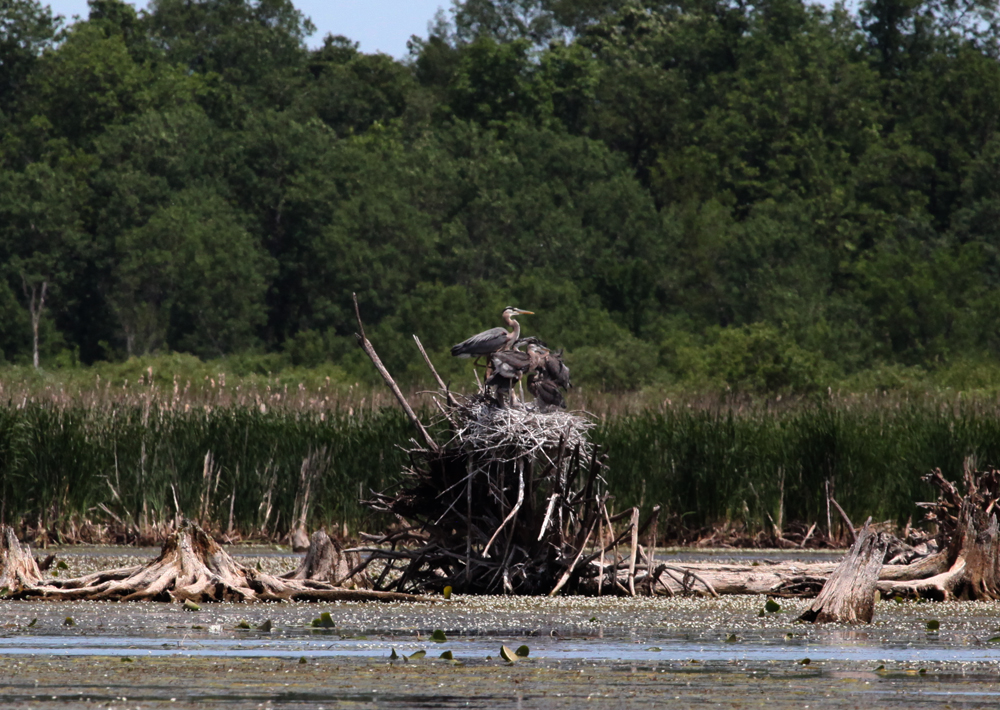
point(515, 334)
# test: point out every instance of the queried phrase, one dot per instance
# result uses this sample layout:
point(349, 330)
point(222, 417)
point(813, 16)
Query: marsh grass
point(132, 458)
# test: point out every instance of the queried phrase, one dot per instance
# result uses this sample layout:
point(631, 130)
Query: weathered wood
point(193, 567)
point(18, 568)
point(393, 387)
point(327, 561)
point(849, 594)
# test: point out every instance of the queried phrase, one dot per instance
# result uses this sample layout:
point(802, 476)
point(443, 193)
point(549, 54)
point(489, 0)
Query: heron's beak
point(525, 313)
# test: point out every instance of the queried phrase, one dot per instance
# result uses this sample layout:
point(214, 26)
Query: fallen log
point(190, 567)
point(849, 594)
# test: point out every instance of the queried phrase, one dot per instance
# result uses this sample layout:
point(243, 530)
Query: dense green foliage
point(767, 197)
point(145, 464)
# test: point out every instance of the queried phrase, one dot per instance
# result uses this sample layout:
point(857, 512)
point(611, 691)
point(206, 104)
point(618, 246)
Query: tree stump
point(190, 567)
point(18, 568)
point(849, 594)
point(326, 561)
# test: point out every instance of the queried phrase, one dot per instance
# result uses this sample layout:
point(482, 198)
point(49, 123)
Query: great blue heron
point(547, 363)
point(494, 339)
point(545, 391)
point(507, 368)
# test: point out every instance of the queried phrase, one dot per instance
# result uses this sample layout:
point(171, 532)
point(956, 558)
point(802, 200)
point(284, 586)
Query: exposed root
point(193, 567)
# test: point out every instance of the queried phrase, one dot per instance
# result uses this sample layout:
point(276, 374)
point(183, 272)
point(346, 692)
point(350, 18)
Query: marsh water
point(687, 652)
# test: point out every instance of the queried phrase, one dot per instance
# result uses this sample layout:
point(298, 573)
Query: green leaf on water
point(438, 636)
point(323, 621)
point(128, 659)
point(522, 651)
point(761, 613)
point(393, 656)
point(933, 625)
point(302, 659)
point(732, 638)
point(191, 606)
point(243, 625)
point(655, 649)
point(995, 639)
point(880, 668)
point(805, 662)
point(61, 565)
point(266, 626)
point(448, 656)
point(33, 622)
point(417, 655)
point(922, 671)
point(593, 620)
point(68, 621)
point(898, 599)
point(508, 655)
point(771, 606)
point(446, 592)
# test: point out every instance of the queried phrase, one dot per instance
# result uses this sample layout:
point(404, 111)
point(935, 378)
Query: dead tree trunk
point(327, 561)
point(849, 594)
point(18, 569)
point(968, 566)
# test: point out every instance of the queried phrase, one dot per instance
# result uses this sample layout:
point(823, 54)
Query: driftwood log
point(849, 594)
point(190, 567)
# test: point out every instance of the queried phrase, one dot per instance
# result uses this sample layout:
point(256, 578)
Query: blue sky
point(379, 25)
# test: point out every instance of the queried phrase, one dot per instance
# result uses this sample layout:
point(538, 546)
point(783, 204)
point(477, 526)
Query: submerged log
point(190, 567)
point(849, 594)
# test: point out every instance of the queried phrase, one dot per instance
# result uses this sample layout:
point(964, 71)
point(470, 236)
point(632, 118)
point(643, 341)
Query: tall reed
point(142, 455)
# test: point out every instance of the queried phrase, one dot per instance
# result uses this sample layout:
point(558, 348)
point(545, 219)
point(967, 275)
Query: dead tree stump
point(18, 568)
point(327, 561)
point(849, 594)
point(190, 567)
point(968, 565)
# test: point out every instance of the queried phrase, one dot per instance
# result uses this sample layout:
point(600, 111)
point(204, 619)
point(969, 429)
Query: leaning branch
point(370, 352)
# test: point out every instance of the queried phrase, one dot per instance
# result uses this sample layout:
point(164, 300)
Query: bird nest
point(510, 433)
point(510, 500)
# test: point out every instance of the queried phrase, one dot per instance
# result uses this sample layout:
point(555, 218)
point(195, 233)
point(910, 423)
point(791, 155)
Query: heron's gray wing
point(489, 341)
point(557, 371)
point(508, 365)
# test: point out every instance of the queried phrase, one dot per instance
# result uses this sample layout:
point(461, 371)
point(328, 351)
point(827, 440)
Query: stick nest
point(510, 433)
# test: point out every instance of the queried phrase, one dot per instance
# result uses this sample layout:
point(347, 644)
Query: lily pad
point(771, 606)
point(417, 655)
point(522, 651)
point(933, 625)
point(446, 592)
point(68, 621)
point(323, 621)
point(438, 636)
point(265, 627)
point(508, 655)
point(448, 656)
point(191, 606)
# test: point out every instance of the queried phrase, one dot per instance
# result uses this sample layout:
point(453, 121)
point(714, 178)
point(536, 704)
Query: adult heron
point(494, 339)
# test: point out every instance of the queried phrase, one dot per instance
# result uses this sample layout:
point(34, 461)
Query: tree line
point(772, 196)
